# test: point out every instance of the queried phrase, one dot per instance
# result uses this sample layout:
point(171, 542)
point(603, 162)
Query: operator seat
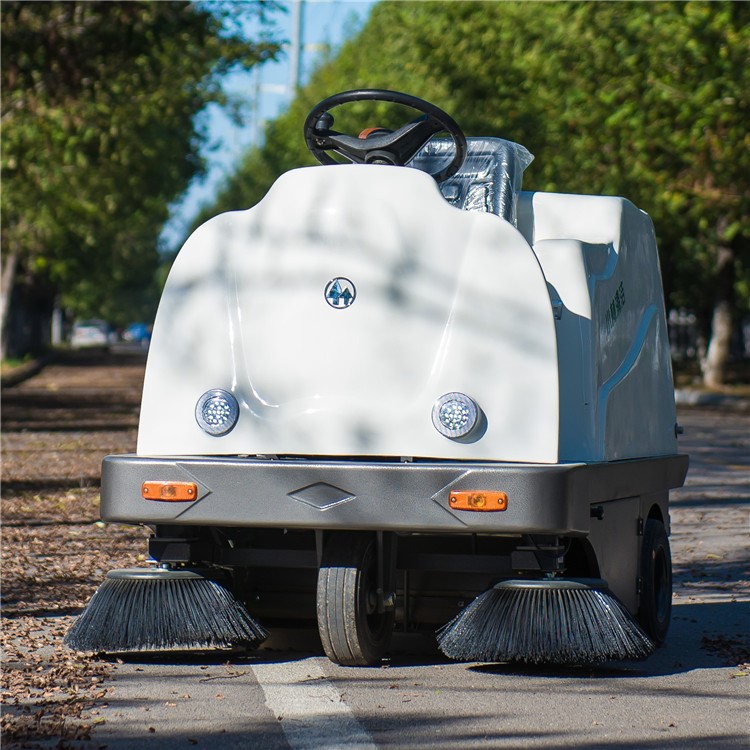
point(489, 179)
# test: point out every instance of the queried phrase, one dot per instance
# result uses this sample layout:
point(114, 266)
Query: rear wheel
point(656, 573)
point(352, 630)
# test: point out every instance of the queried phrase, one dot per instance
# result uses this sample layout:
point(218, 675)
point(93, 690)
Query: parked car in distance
point(90, 333)
point(137, 333)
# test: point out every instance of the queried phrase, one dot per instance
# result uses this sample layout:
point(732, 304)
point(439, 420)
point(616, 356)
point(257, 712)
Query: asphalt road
point(693, 693)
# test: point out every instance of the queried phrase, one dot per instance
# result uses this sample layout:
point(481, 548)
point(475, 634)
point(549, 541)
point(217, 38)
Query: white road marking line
point(311, 711)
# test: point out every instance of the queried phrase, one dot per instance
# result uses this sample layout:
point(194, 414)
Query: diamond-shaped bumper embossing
point(321, 495)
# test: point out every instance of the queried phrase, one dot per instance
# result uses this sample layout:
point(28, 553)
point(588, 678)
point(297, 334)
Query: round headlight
point(458, 417)
point(217, 411)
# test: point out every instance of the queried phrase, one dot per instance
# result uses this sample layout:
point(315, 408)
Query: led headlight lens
point(457, 416)
point(217, 411)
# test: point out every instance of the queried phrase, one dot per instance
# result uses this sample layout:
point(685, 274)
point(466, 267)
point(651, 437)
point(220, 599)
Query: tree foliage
point(99, 105)
point(646, 100)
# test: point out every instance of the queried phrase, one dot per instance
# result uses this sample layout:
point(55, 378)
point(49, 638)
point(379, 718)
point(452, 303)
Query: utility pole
point(297, 48)
point(295, 52)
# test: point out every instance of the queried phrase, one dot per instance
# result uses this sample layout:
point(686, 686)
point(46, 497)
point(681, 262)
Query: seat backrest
point(489, 179)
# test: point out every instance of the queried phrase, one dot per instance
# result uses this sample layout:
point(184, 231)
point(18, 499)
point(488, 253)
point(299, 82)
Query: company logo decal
point(615, 308)
point(340, 293)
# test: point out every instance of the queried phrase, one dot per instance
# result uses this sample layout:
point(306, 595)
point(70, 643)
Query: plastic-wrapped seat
point(489, 179)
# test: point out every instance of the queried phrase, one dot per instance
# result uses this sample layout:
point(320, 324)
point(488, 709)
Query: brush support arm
point(380, 146)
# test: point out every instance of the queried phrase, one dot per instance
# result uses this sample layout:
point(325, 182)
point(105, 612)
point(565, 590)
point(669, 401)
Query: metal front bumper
point(406, 497)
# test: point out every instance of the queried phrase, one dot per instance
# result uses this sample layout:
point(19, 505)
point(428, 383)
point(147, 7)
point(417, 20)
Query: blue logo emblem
point(340, 293)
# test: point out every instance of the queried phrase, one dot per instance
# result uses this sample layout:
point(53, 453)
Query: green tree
point(100, 134)
point(646, 100)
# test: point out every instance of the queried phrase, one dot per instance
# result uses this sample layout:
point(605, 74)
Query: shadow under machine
point(400, 393)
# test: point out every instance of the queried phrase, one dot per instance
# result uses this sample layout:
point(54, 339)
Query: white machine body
point(554, 327)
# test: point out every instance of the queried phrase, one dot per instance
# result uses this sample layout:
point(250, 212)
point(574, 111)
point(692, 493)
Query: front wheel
point(352, 631)
point(656, 573)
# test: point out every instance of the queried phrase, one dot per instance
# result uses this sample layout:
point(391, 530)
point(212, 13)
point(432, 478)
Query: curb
point(686, 397)
point(27, 370)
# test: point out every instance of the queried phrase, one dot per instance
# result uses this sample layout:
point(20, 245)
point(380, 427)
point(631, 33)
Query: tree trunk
point(7, 279)
point(714, 365)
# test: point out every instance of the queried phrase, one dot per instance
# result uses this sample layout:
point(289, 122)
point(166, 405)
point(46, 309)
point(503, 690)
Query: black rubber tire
point(655, 608)
point(353, 633)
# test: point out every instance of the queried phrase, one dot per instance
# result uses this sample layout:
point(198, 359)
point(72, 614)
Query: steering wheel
point(376, 145)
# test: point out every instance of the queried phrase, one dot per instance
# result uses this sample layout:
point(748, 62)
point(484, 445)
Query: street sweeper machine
point(401, 394)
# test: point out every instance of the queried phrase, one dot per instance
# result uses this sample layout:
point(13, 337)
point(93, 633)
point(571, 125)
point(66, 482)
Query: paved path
point(693, 693)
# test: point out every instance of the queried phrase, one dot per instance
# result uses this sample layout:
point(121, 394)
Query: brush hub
point(160, 574)
point(557, 584)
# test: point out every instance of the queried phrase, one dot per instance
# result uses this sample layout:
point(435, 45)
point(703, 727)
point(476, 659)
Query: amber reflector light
point(171, 492)
point(481, 500)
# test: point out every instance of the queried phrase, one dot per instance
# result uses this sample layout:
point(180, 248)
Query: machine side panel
point(636, 408)
point(617, 397)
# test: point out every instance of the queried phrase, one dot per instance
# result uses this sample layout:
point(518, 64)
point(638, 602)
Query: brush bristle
point(162, 612)
point(539, 624)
